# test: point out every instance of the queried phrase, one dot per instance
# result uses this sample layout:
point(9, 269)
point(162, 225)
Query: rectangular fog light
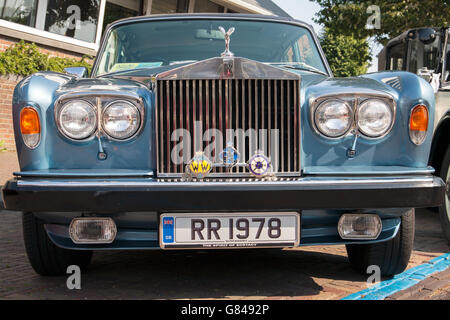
point(92, 230)
point(359, 226)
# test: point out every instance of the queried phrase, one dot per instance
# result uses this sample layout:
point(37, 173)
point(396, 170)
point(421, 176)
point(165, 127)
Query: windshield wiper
point(147, 68)
point(300, 66)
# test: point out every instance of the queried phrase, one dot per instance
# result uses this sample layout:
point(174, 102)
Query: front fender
point(393, 153)
point(56, 152)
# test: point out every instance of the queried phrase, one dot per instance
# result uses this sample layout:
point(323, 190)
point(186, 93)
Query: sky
point(305, 10)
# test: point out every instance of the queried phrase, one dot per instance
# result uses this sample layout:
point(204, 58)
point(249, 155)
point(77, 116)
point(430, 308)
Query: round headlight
point(374, 118)
point(333, 118)
point(121, 119)
point(77, 119)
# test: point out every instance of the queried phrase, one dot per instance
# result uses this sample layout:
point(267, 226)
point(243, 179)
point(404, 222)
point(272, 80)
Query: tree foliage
point(350, 17)
point(25, 58)
point(346, 55)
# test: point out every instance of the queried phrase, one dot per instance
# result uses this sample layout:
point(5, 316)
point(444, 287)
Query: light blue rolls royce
point(216, 131)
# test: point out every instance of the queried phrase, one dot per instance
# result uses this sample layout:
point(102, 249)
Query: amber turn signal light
point(418, 124)
point(29, 121)
point(30, 127)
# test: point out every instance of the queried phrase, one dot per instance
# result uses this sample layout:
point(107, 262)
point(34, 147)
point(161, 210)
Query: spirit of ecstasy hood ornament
point(227, 34)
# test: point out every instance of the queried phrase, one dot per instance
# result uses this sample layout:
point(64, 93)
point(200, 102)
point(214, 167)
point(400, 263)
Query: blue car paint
point(57, 156)
point(394, 150)
point(56, 151)
point(141, 238)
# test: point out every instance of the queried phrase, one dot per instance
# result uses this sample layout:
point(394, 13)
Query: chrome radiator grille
point(199, 105)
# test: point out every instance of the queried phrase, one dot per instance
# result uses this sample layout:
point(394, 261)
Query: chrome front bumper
point(148, 194)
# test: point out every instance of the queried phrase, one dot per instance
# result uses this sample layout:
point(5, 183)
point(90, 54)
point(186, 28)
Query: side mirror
point(79, 72)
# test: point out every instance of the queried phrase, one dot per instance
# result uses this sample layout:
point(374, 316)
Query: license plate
point(236, 230)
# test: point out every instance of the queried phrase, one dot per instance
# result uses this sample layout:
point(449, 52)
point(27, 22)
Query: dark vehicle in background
point(426, 52)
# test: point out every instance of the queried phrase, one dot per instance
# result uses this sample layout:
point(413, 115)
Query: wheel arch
point(441, 140)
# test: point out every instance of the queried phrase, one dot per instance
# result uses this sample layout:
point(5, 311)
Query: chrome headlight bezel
point(139, 120)
point(354, 100)
point(347, 128)
point(64, 130)
point(383, 133)
point(99, 101)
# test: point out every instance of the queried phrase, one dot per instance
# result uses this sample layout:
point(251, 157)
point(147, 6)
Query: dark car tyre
point(444, 210)
point(45, 257)
point(391, 256)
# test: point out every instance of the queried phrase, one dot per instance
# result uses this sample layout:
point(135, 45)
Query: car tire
point(391, 256)
point(444, 209)
point(45, 257)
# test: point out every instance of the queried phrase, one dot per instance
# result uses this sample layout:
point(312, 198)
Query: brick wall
point(6, 42)
point(7, 84)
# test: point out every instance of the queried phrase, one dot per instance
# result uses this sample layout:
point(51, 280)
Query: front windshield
point(150, 44)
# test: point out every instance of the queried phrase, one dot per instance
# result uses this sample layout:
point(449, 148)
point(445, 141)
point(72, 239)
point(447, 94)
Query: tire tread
point(45, 257)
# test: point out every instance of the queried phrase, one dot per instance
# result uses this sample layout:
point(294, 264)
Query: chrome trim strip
point(227, 108)
point(181, 118)
point(167, 124)
point(296, 122)
point(98, 93)
point(243, 118)
point(263, 101)
point(174, 116)
point(289, 125)
point(194, 114)
point(207, 98)
point(214, 125)
point(225, 174)
point(237, 108)
point(200, 109)
point(220, 119)
point(188, 116)
point(149, 183)
point(275, 106)
point(255, 109)
point(249, 104)
point(159, 126)
point(282, 169)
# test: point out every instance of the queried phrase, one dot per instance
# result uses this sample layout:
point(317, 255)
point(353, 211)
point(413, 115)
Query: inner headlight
point(77, 119)
point(121, 119)
point(374, 118)
point(333, 118)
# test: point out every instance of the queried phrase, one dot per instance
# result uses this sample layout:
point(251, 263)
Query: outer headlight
point(374, 118)
point(333, 118)
point(121, 119)
point(77, 119)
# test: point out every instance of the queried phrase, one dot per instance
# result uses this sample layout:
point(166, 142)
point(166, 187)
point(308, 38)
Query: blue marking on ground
point(403, 280)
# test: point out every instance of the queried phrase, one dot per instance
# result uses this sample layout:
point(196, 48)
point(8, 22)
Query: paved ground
point(307, 273)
